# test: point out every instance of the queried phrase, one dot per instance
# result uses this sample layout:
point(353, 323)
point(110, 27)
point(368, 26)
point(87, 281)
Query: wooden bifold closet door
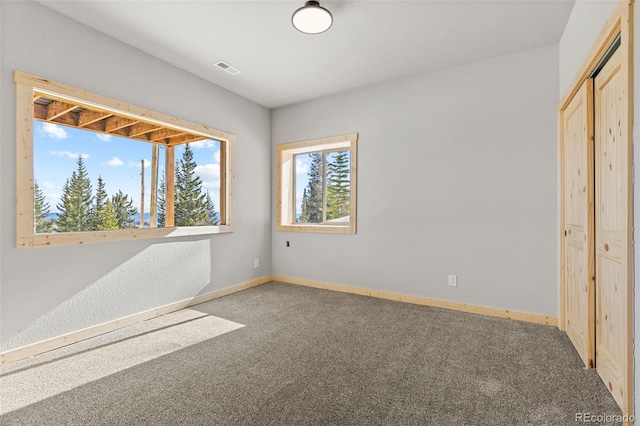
point(579, 223)
point(612, 227)
point(596, 218)
point(595, 135)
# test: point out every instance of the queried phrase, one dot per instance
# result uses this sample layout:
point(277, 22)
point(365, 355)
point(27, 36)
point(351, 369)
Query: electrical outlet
point(256, 263)
point(453, 280)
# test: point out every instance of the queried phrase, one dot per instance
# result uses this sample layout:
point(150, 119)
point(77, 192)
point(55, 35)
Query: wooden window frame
point(285, 203)
point(26, 237)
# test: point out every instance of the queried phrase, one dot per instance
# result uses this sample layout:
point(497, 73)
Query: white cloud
point(103, 137)
point(115, 162)
point(147, 163)
point(53, 196)
point(210, 175)
point(301, 168)
point(47, 185)
point(216, 157)
point(54, 131)
point(206, 143)
point(69, 154)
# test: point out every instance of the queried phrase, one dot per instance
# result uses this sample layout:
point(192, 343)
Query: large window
point(94, 169)
point(317, 185)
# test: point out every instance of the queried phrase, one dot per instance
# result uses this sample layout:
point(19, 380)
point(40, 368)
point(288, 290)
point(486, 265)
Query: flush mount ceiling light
point(312, 18)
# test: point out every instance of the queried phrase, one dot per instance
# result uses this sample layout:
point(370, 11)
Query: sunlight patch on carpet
point(27, 382)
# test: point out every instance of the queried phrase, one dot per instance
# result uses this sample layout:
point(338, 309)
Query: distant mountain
point(136, 219)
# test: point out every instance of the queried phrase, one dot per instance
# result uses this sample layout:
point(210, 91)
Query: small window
point(317, 185)
point(94, 169)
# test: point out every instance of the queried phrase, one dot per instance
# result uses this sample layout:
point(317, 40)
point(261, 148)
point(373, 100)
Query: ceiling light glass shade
point(312, 18)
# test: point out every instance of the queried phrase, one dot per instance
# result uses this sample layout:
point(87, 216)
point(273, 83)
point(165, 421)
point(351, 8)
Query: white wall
point(46, 292)
point(456, 175)
point(585, 23)
point(583, 27)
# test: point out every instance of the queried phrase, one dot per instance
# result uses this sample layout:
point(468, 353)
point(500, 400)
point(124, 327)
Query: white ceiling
point(369, 42)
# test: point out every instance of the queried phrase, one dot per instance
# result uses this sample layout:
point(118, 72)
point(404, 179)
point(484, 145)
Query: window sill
point(318, 229)
point(79, 238)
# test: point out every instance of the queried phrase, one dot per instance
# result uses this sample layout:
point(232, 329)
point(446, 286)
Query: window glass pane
point(338, 189)
point(197, 183)
point(88, 181)
point(309, 177)
point(323, 187)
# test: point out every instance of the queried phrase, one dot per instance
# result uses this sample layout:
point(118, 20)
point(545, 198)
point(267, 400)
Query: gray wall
point(583, 27)
point(585, 23)
point(456, 175)
point(46, 292)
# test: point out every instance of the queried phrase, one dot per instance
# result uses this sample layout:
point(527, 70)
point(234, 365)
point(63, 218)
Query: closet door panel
point(612, 262)
point(579, 310)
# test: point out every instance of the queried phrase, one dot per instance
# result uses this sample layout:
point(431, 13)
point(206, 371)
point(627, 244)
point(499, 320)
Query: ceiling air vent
point(228, 68)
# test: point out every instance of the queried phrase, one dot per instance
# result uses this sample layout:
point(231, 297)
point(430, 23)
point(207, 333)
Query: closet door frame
point(620, 23)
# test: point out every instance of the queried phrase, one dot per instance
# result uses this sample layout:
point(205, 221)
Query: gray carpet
point(314, 357)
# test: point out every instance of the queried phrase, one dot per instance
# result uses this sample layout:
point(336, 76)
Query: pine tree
point(109, 217)
point(305, 206)
point(41, 211)
point(339, 186)
point(190, 202)
point(212, 214)
point(160, 211)
point(123, 210)
point(98, 212)
point(312, 198)
point(104, 216)
point(75, 204)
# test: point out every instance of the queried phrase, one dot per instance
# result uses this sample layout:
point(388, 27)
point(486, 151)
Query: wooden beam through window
point(114, 123)
point(140, 129)
point(163, 134)
point(179, 140)
point(87, 117)
point(56, 109)
point(80, 115)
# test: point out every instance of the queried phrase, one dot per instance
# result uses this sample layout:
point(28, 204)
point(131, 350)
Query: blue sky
point(117, 160)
